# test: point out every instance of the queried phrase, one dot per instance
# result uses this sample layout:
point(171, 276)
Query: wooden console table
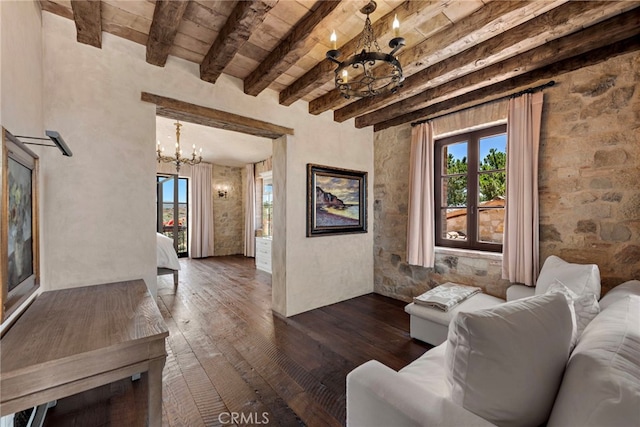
point(73, 340)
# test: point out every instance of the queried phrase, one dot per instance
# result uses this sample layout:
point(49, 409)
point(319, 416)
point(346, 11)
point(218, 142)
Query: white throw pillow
point(505, 363)
point(584, 308)
point(580, 278)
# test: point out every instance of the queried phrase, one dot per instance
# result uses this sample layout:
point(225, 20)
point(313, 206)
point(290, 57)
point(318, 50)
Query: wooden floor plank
point(228, 353)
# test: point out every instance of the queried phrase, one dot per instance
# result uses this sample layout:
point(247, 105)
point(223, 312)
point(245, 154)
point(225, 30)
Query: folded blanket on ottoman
point(446, 296)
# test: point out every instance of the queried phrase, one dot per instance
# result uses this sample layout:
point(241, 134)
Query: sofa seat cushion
point(580, 278)
point(505, 364)
point(601, 384)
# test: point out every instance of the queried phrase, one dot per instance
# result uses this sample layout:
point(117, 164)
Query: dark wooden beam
point(246, 16)
point(88, 19)
point(56, 9)
point(478, 27)
point(164, 27)
point(496, 90)
point(563, 20)
point(180, 110)
point(323, 71)
point(617, 28)
point(290, 49)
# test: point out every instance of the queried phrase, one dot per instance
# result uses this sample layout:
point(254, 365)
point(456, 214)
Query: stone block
point(612, 196)
point(549, 233)
point(586, 226)
point(614, 232)
point(600, 183)
point(628, 255)
point(609, 158)
point(630, 210)
point(596, 87)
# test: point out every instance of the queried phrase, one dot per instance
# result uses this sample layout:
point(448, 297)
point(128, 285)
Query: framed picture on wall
point(336, 201)
point(19, 254)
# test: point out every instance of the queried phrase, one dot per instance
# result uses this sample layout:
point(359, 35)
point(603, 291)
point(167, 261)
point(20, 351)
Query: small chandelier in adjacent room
point(177, 158)
point(370, 72)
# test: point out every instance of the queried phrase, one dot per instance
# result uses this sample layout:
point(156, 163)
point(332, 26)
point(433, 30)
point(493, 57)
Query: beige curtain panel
point(250, 213)
point(202, 210)
point(520, 250)
point(421, 223)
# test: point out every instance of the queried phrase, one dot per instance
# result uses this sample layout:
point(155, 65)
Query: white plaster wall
point(326, 269)
point(100, 210)
point(21, 65)
point(21, 81)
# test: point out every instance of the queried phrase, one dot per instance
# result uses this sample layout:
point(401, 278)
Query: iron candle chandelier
point(370, 72)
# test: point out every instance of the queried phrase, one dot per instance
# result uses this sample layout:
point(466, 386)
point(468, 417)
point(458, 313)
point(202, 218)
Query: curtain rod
point(513, 95)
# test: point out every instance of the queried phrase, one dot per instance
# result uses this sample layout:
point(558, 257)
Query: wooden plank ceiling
point(457, 52)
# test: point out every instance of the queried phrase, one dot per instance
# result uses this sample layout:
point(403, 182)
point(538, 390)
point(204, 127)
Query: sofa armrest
point(379, 396)
point(515, 292)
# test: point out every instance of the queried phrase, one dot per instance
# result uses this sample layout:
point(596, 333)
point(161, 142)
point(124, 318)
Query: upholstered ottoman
point(432, 325)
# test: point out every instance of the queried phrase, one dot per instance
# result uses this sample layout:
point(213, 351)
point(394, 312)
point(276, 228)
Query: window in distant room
point(470, 189)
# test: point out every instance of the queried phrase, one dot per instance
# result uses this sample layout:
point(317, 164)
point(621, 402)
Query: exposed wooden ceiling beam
point(88, 19)
point(290, 49)
point(323, 71)
point(56, 9)
point(164, 27)
point(563, 20)
point(617, 28)
point(180, 110)
point(496, 90)
point(480, 26)
point(246, 16)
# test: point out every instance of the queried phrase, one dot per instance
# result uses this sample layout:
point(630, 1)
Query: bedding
point(167, 257)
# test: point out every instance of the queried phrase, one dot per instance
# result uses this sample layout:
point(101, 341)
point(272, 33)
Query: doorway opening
point(172, 195)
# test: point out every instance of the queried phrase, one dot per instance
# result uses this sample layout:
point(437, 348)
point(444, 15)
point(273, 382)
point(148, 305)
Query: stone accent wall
point(590, 169)
point(589, 187)
point(228, 213)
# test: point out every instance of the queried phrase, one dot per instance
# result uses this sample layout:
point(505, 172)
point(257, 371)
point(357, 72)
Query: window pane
point(167, 190)
point(454, 191)
point(454, 223)
point(493, 152)
point(455, 158)
point(492, 186)
point(182, 190)
point(491, 224)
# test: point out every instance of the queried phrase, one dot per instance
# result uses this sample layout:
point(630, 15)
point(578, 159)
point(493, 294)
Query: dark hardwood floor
point(232, 361)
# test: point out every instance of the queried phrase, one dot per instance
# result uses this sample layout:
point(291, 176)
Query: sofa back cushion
point(580, 278)
point(505, 364)
point(601, 385)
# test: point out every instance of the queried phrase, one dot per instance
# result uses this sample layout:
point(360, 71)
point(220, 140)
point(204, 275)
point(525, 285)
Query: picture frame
point(336, 201)
point(19, 232)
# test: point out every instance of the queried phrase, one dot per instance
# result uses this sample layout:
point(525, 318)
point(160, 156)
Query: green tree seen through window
point(492, 184)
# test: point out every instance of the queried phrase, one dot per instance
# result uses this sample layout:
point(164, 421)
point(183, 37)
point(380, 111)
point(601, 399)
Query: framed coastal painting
point(336, 201)
point(19, 224)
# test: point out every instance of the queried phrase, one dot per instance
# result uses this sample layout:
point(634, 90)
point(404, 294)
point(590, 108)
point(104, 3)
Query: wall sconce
point(222, 192)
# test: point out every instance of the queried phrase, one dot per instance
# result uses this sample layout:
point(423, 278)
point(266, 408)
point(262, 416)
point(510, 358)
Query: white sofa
point(600, 385)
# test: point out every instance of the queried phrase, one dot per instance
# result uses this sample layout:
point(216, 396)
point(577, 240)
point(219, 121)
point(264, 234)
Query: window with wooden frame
point(470, 189)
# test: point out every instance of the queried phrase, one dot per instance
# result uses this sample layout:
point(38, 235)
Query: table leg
point(154, 384)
